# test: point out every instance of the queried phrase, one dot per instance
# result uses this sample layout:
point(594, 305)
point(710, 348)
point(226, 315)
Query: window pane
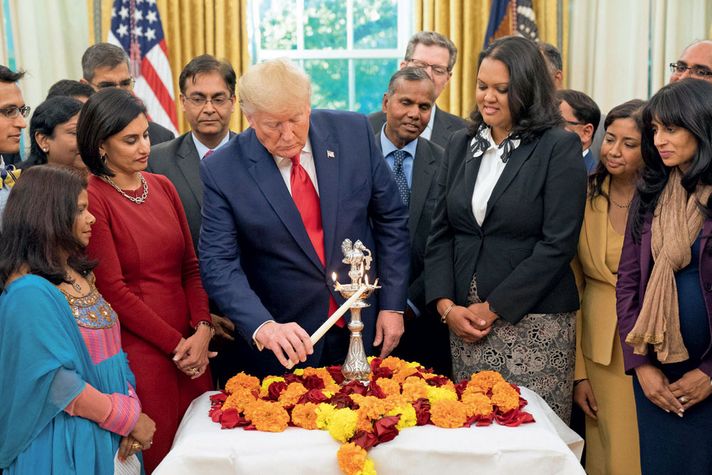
point(375, 24)
point(330, 82)
point(325, 26)
point(278, 24)
point(372, 77)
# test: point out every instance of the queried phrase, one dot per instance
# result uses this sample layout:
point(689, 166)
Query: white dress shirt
point(203, 149)
point(491, 168)
point(306, 159)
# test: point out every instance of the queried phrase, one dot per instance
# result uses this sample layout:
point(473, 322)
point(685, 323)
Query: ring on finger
point(683, 399)
point(136, 447)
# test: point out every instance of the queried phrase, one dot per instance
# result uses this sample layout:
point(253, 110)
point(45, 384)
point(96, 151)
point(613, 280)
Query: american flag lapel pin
point(330, 154)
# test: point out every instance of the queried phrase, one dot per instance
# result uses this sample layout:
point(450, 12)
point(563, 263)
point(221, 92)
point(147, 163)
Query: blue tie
point(399, 175)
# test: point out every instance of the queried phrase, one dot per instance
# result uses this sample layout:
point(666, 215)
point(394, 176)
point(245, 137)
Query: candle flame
point(333, 276)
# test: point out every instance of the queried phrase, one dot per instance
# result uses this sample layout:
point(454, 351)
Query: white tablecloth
point(545, 447)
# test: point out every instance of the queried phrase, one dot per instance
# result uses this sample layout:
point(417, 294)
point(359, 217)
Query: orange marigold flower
point(352, 459)
point(448, 414)
point(291, 395)
point(505, 397)
point(485, 380)
point(370, 406)
point(394, 363)
point(242, 380)
point(476, 403)
point(414, 389)
point(404, 373)
point(304, 416)
point(323, 373)
point(239, 399)
point(389, 386)
point(267, 416)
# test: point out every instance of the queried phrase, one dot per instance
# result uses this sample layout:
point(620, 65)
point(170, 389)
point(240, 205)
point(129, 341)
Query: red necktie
point(208, 153)
point(307, 201)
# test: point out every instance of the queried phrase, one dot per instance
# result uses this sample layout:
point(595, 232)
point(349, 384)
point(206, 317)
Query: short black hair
point(38, 224)
point(206, 63)
point(8, 75)
point(71, 88)
point(408, 74)
point(47, 116)
point(552, 55)
point(106, 113)
point(531, 97)
point(102, 55)
point(584, 108)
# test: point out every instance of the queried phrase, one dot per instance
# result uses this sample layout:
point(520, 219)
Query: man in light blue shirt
point(414, 161)
point(13, 112)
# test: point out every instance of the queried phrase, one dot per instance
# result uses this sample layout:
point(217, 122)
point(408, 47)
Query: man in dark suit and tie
point(414, 161)
point(581, 116)
point(436, 55)
point(279, 200)
point(106, 65)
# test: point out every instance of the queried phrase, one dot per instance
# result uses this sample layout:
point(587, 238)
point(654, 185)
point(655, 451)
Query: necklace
point(138, 200)
point(73, 282)
point(619, 205)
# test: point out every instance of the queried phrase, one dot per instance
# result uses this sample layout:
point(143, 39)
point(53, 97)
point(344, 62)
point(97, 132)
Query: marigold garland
point(401, 394)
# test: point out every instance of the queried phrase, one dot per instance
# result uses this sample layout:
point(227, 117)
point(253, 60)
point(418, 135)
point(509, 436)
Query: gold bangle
point(207, 324)
point(443, 317)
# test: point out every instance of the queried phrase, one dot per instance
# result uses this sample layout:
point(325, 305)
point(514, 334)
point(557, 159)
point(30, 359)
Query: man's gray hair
point(102, 55)
point(431, 38)
point(408, 74)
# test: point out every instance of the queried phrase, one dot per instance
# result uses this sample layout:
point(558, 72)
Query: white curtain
point(49, 39)
point(620, 50)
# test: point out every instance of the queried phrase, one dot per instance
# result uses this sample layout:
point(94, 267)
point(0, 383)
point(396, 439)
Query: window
point(349, 48)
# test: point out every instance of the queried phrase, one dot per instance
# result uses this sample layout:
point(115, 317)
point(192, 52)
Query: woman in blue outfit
point(67, 398)
point(664, 298)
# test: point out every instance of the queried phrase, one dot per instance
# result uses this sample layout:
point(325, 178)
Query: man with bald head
point(695, 62)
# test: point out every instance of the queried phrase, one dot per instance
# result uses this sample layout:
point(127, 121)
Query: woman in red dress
point(147, 268)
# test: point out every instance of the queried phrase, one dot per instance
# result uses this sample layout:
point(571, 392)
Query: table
point(545, 447)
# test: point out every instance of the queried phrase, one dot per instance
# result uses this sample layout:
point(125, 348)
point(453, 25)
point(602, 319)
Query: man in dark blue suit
point(279, 200)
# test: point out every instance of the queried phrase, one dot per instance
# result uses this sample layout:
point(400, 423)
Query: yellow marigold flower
point(241, 380)
point(353, 460)
point(407, 415)
point(389, 386)
point(485, 380)
point(267, 416)
point(369, 359)
point(414, 389)
point(264, 390)
point(414, 364)
point(304, 416)
point(298, 371)
point(291, 395)
point(342, 424)
point(505, 397)
point(448, 414)
point(440, 394)
point(239, 399)
point(476, 403)
point(323, 414)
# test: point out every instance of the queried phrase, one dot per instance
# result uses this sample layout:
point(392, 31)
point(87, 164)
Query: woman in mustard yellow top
point(602, 389)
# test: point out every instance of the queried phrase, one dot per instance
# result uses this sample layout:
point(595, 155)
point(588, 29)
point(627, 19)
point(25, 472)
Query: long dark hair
point(686, 104)
point(628, 110)
point(106, 113)
point(531, 93)
point(48, 115)
point(38, 224)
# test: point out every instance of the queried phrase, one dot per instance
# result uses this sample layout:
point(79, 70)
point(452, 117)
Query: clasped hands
point(693, 387)
point(192, 354)
point(140, 438)
point(290, 343)
point(471, 323)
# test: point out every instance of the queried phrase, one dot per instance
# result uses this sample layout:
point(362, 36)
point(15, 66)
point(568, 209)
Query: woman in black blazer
point(511, 198)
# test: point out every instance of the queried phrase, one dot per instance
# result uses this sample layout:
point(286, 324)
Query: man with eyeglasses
point(581, 116)
point(13, 112)
point(695, 62)
point(437, 55)
point(207, 88)
point(106, 65)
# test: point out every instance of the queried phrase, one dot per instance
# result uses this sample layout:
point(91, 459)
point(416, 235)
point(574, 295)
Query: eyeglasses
point(13, 111)
point(436, 69)
point(700, 71)
point(125, 84)
point(573, 122)
point(200, 101)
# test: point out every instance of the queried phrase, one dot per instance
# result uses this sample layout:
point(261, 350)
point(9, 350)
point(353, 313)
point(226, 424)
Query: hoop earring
point(103, 158)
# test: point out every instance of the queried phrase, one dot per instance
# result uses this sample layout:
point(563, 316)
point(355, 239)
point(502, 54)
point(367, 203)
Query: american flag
point(136, 27)
point(511, 17)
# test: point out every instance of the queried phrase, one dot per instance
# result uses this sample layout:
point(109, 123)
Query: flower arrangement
point(399, 395)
